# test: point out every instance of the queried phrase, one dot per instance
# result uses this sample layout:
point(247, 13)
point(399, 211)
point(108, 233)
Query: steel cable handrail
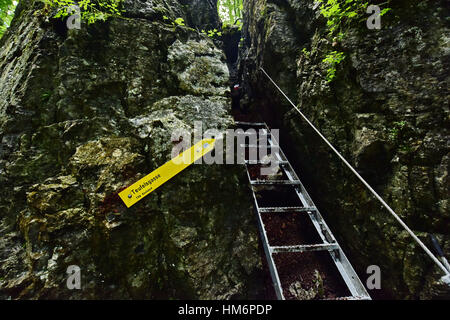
point(392, 212)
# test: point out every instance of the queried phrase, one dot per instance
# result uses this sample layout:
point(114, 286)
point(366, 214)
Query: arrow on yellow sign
point(151, 182)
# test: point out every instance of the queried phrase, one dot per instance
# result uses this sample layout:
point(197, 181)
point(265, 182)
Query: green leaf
point(179, 21)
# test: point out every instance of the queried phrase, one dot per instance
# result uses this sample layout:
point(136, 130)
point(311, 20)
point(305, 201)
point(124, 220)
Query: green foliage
point(179, 22)
point(395, 130)
point(384, 11)
point(230, 12)
point(341, 14)
point(264, 11)
point(46, 96)
point(212, 33)
point(7, 8)
point(306, 53)
point(91, 11)
point(332, 60)
point(176, 22)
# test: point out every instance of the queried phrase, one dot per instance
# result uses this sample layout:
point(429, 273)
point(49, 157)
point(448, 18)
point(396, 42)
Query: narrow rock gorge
point(85, 113)
point(387, 111)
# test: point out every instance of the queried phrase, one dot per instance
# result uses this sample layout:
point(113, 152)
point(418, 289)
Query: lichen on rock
point(86, 113)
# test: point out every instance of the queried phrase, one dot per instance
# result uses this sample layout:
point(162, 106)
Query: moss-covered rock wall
point(85, 113)
point(387, 111)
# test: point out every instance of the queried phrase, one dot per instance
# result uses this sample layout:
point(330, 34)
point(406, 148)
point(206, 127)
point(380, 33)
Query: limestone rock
point(386, 111)
point(84, 114)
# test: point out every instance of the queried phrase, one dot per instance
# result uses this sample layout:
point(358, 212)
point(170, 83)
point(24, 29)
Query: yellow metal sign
point(151, 182)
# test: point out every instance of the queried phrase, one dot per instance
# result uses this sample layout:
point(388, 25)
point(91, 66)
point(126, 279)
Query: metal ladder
point(327, 244)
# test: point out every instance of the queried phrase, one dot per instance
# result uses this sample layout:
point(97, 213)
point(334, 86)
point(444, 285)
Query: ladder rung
point(256, 134)
point(267, 134)
point(286, 209)
point(281, 162)
point(256, 124)
point(260, 146)
point(351, 298)
point(275, 182)
point(306, 247)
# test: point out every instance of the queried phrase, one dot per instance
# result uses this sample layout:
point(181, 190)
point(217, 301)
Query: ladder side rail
point(348, 273)
point(345, 268)
point(270, 262)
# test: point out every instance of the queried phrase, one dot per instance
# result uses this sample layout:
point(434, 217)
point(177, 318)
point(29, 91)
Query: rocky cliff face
point(85, 113)
point(387, 111)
